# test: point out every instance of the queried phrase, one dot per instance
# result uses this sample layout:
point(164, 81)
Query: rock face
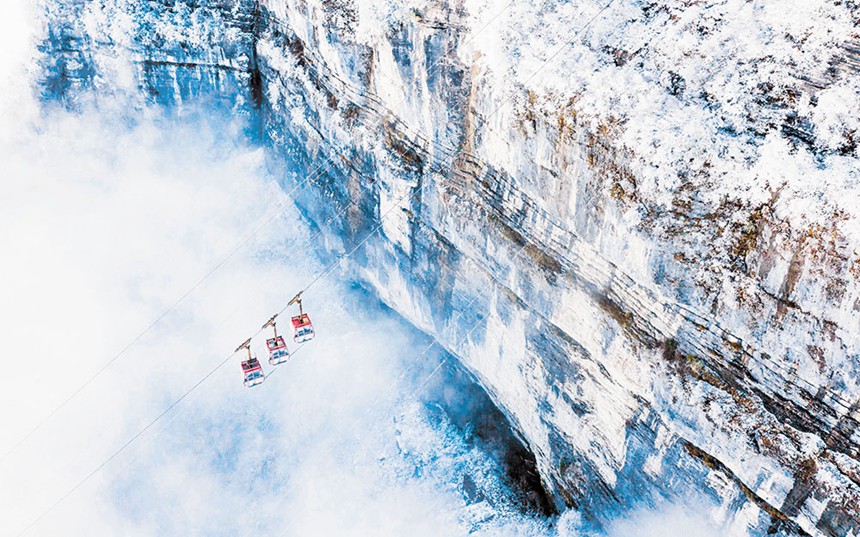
point(636, 223)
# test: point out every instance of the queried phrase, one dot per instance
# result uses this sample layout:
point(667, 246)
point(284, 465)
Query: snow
point(692, 99)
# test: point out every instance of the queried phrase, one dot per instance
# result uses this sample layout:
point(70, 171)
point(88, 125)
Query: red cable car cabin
point(253, 372)
point(278, 352)
point(303, 328)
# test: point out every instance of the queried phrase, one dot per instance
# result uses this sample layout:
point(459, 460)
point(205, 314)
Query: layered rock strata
point(634, 223)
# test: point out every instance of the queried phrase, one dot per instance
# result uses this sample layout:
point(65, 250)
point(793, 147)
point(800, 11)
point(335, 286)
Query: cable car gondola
point(278, 352)
point(251, 367)
point(303, 329)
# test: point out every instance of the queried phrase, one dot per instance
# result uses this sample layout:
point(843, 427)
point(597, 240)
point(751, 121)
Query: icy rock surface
point(635, 223)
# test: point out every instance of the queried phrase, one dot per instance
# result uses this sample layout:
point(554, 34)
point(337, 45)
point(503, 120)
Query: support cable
point(242, 243)
point(137, 435)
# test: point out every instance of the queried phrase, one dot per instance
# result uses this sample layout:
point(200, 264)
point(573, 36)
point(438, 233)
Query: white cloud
point(686, 518)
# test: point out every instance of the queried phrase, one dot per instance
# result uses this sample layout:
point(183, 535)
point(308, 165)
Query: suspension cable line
point(310, 240)
point(137, 435)
point(128, 443)
point(242, 243)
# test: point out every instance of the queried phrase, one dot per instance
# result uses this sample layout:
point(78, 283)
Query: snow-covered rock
point(635, 222)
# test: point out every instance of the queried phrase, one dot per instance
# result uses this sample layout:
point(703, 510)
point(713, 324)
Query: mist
point(107, 221)
point(161, 241)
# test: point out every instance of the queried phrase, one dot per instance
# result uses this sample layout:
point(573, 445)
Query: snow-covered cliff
point(636, 222)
